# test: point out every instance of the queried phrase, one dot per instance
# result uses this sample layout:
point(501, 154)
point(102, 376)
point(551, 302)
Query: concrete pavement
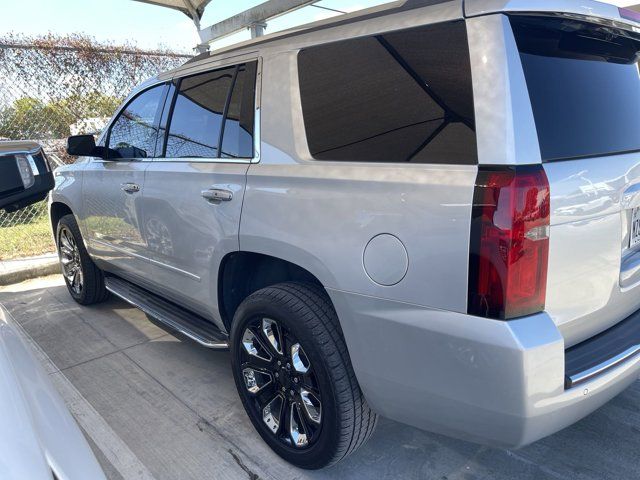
point(157, 406)
point(21, 269)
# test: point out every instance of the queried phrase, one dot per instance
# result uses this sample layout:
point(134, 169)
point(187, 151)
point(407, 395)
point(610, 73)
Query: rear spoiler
point(590, 10)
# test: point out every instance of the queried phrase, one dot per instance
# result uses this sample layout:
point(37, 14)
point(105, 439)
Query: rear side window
point(133, 134)
point(584, 86)
point(398, 97)
point(213, 114)
point(238, 125)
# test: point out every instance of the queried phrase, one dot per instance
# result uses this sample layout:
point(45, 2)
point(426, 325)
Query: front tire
point(295, 378)
point(84, 280)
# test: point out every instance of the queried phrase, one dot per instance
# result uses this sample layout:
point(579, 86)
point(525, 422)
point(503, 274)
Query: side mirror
point(81, 146)
point(25, 175)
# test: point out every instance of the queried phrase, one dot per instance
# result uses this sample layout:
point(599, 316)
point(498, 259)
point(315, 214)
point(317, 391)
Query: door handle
point(217, 195)
point(130, 187)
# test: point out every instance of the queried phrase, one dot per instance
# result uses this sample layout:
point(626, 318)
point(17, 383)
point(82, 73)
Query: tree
point(25, 118)
point(30, 118)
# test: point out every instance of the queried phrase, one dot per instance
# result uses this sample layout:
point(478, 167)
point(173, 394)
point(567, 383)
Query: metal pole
point(254, 19)
point(257, 29)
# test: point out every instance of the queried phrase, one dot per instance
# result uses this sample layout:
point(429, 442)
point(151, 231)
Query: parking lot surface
point(155, 406)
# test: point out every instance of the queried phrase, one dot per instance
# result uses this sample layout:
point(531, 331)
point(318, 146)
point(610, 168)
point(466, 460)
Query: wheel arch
point(57, 210)
point(242, 273)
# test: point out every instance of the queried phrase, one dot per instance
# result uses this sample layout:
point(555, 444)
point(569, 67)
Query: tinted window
point(584, 86)
point(238, 126)
point(196, 121)
point(399, 97)
point(133, 134)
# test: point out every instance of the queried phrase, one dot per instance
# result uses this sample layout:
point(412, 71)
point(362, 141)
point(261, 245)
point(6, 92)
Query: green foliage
point(49, 83)
point(30, 118)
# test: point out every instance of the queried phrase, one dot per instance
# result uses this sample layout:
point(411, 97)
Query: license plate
point(635, 227)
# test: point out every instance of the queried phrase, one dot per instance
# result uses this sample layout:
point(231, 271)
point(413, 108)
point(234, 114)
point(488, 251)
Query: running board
point(177, 318)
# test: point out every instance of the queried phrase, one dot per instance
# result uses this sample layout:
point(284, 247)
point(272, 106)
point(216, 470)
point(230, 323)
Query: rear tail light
point(509, 246)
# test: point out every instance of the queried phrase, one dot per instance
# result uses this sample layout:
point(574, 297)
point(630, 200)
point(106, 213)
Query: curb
point(49, 267)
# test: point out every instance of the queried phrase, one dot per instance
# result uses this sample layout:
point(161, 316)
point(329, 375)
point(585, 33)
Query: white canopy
point(191, 8)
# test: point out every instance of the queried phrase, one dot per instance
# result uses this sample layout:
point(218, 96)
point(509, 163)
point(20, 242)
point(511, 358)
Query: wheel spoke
point(297, 430)
point(311, 405)
point(254, 347)
point(299, 359)
point(272, 413)
point(273, 335)
point(285, 420)
point(255, 380)
point(64, 240)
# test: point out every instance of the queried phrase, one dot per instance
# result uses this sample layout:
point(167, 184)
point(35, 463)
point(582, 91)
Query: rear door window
point(402, 96)
point(584, 86)
point(196, 121)
point(213, 114)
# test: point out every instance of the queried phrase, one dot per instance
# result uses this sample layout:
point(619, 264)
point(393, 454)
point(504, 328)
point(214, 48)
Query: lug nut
point(295, 379)
point(277, 375)
point(279, 363)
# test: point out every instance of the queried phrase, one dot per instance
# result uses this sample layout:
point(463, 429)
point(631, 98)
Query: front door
point(193, 193)
point(113, 187)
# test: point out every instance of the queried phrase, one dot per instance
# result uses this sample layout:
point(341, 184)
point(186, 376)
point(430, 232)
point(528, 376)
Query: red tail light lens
point(509, 247)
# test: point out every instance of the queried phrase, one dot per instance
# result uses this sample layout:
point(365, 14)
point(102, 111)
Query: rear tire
point(84, 280)
point(315, 385)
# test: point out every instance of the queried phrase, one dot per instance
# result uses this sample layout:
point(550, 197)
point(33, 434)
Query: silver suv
point(428, 210)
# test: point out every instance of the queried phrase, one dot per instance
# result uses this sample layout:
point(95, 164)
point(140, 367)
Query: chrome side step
point(177, 318)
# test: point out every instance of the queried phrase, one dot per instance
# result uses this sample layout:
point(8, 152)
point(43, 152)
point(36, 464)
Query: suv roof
point(605, 13)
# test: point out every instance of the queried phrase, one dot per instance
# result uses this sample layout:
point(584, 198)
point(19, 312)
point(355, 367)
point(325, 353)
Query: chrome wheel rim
point(70, 260)
point(280, 382)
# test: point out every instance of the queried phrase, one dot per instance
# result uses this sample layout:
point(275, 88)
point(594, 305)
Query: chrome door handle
point(217, 195)
point(130, 187)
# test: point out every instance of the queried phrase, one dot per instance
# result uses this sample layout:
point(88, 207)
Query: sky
point(145, 25)
point(149, 26)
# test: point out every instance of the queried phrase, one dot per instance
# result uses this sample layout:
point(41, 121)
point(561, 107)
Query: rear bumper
point(493, 382)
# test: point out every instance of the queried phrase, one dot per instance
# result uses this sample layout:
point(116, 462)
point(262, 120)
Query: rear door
point(112, 187)
point(194, 191)
point(584, 86)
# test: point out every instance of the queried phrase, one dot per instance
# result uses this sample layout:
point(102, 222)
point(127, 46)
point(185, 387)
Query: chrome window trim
point(256, 115)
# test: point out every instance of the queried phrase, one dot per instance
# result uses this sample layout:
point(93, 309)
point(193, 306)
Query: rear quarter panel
point(322, 215)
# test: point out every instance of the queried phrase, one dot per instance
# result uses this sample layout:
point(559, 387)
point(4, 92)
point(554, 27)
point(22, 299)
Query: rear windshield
point(584, 85)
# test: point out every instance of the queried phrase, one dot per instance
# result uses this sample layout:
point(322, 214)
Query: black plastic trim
point(602, 352)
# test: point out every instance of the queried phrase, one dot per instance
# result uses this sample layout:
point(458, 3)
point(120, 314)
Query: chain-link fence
point(55, 86)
